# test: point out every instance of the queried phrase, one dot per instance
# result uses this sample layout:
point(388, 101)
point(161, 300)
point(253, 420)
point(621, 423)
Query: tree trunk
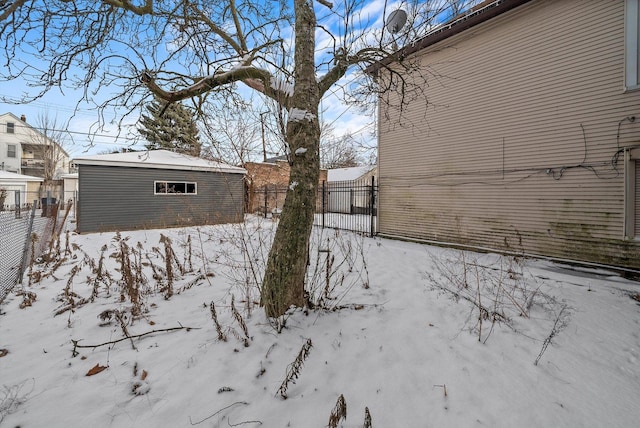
point(283, 284)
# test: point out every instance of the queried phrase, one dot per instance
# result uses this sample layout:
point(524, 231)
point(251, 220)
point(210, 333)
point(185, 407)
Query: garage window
point(175, 188)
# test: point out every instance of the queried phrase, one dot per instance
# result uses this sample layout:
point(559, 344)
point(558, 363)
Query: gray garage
point(156, 189)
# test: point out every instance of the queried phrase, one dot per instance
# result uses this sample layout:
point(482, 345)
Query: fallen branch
point(112, 342)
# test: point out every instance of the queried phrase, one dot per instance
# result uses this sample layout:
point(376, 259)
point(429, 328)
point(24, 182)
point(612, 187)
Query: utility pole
point(264, 146)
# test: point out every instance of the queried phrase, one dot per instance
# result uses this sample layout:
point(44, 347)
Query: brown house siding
point(517, 147)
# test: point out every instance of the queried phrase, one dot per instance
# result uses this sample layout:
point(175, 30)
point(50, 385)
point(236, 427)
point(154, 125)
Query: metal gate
point(349, 205)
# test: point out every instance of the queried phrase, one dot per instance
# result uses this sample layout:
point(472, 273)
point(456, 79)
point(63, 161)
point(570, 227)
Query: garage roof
point(159, 159)
point(12, 177)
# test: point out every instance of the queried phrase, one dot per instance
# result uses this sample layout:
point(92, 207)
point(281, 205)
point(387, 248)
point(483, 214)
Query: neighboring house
point(18, 188)
point(26, 150)
point(69, 186)
point(267, 184)
point(348, 190)
point(155, 189)
point(527, 138)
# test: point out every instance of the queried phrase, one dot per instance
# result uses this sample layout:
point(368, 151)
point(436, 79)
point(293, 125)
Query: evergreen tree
point(171, 128)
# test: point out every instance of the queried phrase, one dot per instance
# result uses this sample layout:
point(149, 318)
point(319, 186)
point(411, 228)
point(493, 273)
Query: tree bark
point(283, 284)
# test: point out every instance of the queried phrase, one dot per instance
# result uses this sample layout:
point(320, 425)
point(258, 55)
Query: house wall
point(70, 187)
point(122, 198)
point(518, 145)
point(30, 149)
point(19, 134)
point(351, 196)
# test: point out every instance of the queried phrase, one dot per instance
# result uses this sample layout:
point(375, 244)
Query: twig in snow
point(244, 403)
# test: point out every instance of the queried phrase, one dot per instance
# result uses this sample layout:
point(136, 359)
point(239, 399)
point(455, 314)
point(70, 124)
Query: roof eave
point(455, 26)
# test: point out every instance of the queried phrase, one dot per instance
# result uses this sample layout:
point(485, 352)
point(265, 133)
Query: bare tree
point(240, 133)
point(339, 153)
point(201, 51)
point(48, 145)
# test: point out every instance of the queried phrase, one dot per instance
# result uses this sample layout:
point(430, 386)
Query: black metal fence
point(349, 205)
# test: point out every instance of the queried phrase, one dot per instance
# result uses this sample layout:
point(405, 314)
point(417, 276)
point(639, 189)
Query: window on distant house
point(11, 150)
point(632, 44)
point(10, 128)
point(175, 188)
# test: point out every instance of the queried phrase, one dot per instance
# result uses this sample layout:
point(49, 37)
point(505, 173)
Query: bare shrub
point(12, 397)
point(499, 290)
point(244, 257)
point(338, 264)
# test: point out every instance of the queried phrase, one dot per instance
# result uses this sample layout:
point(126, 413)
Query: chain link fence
point(17, 226)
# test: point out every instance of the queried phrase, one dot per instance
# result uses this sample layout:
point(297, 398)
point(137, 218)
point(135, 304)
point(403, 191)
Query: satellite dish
point(396, 20)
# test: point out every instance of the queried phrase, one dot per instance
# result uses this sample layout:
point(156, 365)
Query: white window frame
point(188, 185)
point(632, 44)
point(15, 151)
point(11, 128)
point(631, 156)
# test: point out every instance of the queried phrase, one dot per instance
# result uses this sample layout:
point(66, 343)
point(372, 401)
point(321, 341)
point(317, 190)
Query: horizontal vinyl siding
point(637, 201)
point(122, 198)
point(516, 147)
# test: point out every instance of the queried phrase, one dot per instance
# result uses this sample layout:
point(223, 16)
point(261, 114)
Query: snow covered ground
point(420, 336)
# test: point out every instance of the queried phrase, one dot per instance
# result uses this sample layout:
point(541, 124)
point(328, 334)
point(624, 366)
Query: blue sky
point(92, 132)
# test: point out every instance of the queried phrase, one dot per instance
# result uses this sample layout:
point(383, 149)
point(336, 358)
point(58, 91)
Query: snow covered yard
point(420, 336)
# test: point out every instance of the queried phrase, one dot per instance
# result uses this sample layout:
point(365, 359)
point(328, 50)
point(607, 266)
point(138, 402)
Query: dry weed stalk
point(101, 275)
point(129, 284)
point(241, 322)
point(558, 325)
point(188, 253)
point(168, 261)
point(33, 239)
point(367, 418)
point(214, 316)
point(28, 297)
point(338, 413)
point(294, 369)
point(67, 249)
point(70, 300)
